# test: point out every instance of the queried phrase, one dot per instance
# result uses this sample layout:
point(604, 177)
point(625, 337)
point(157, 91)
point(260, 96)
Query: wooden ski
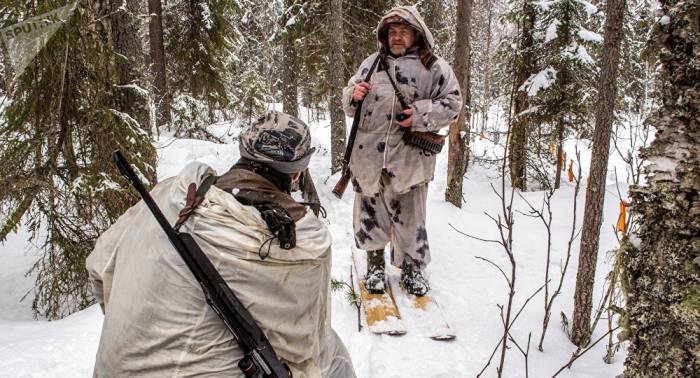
point(380, 310)
point(424, 313)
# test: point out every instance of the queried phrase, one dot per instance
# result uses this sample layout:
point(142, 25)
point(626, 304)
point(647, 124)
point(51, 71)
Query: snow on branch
point(590, 8)
point(551, 33)
point(589, 36)
point(541, 80)
point(579, 53)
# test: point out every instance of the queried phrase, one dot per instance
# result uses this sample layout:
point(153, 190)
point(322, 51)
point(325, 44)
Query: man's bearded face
point(401, 38)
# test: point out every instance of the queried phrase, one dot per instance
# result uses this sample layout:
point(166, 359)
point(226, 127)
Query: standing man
point(157, 322)
point(391, 177)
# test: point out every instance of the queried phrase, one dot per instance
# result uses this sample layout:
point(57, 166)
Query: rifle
point(259, 358)
point(342, 184)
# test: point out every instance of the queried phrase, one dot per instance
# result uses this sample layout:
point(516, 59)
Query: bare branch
point(474, 237)
point(497, 267)
point(579, 353)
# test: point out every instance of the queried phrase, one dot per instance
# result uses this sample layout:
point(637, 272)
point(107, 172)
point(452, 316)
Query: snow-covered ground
point(469, 289)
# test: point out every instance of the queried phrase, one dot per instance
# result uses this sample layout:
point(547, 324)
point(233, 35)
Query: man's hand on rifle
point(361, 90)
point(408, 121)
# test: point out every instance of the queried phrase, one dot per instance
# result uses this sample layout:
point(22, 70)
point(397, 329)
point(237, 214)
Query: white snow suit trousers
point(389, 217)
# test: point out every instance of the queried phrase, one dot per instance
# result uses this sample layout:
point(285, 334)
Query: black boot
point(412, 278)
point(374, 280)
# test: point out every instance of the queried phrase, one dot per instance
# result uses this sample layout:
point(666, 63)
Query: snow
point(140, 90)
point(579, 52)
point(663, 164)
point(589, 36)
point(128, 120)
point(292, 20)
point(551, 33)
point(17, 256)
point(207, 16)
point(591, 9)
point(541, 80)
point(468, 289)
point(545, 5)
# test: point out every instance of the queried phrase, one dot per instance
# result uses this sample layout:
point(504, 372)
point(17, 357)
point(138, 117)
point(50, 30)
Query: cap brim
point(292, 166)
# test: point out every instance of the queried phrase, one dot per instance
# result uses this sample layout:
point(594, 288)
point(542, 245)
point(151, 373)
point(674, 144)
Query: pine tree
point(336, 73)
point(595, 191)
point(660, 263)
point(58, 133)
point(458, 138)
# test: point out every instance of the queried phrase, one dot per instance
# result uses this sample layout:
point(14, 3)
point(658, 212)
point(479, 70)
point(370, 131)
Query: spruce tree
point(251, 83)
point(199, 38)
point(562, 92)
point(57, 136)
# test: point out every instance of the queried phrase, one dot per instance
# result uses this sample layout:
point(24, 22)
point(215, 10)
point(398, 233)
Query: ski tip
point(444, 337)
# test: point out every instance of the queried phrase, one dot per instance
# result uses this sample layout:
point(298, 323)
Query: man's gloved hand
point(408, 121)
point(361, 90)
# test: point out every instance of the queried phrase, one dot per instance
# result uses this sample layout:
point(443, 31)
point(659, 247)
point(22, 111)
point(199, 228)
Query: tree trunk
point(290, 102)
point(337, 81)
point(458, 139)
point(195, 21)
point(7, 74)
point(485, 98)
point(559, 163)
point(595, 191)
point(660, 268)
point(129, 59)
point(517, 157)
point(161, 97)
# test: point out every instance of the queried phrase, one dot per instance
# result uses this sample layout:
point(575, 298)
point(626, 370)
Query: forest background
point(80, 79)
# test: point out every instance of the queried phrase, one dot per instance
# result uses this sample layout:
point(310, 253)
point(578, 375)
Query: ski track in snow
point(468, 289)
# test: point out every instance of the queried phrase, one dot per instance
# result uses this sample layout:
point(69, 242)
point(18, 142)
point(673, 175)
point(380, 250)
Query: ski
point(423, 313)
point(380, 310)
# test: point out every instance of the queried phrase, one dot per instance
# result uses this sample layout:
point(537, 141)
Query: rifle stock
point(342, 184)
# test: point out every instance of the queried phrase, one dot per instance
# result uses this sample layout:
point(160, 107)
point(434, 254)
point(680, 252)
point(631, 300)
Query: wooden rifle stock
point(342, 184)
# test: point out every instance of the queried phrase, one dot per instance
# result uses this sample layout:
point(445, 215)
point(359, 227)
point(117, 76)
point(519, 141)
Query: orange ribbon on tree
point(622, 218)
point(570, 171)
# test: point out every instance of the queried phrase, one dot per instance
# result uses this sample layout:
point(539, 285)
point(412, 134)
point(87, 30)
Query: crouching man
point(157, 322)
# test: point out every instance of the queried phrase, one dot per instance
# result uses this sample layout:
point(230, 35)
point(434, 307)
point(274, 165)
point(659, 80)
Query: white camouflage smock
point(157, 323)
point(436, 101)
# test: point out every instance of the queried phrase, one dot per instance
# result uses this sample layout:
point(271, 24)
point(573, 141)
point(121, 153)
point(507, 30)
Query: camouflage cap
point(279, 140)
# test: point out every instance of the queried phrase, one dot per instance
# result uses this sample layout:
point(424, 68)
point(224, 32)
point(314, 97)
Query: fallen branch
point(580, 353)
